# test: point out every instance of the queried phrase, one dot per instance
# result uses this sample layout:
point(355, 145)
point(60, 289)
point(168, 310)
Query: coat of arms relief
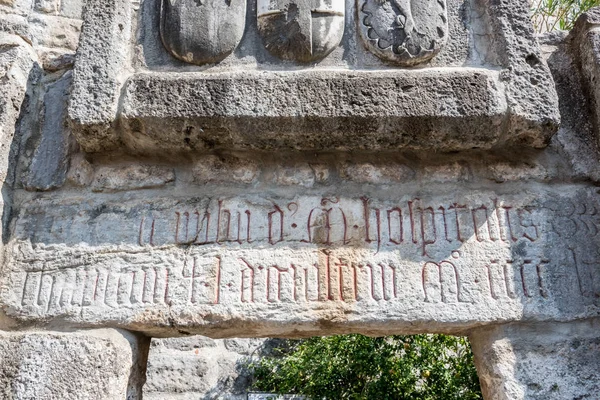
point(202, 31)
point(402, 32)
point(405, 32)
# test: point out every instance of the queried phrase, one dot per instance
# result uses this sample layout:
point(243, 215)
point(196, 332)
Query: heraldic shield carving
point(405, 32)
point(202, 31)
point(301, 30)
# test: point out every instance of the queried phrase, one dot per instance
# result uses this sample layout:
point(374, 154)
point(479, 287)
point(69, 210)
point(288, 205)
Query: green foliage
point(549, 15)
point(356, 367)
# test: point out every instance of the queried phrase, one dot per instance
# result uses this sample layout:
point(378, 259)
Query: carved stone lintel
point(202, 31)
point(405, 32)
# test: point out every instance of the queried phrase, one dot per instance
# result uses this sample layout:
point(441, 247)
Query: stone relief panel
point(340, 96)
point(301, 30)
point(202, 31)
point(405, 32)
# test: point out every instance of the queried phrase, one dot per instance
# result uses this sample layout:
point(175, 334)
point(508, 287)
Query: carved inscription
point(587, 271)
point(509, 279)
point(85, 286)
point(441, 282)
point(316, 252)
point(331, 279)
point(333, 222)
point(204, 277)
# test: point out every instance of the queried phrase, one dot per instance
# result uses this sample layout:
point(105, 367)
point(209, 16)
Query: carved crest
point(301, 30)
point(202, 31)
point(406, 32)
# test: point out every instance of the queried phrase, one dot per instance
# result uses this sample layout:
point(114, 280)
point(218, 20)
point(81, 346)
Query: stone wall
point(202, 368)
point(232, 171)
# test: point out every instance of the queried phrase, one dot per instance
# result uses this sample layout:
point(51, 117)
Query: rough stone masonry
point(294, 168)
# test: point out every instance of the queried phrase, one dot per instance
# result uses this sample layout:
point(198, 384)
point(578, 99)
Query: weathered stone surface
point(301, 30)
point(20, 7)
point(202, 32)
point(389, 172)
point(71, 8)
point(98, 364)
point(406, 32)
point(47, 6)
point(246, 101)
point(585, 39)
point(265, 193)
point(48, 168)
point(539, 361)
point(55, 31)
point(299, 174)
point(131, 177)
point(224, 169)
point(575, 139)
point(530, 91)
point(55, 60)
point(16, 65)
point(200, 368)
point(80, 171)
point(16, 62)
point(379, 262)
point(103, 51)
point(452, 109)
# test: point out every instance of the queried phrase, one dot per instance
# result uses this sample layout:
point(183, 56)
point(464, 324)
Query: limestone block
point(47, 6)
point(103, 52)
point(19, 7)
point(48, 168)
point(452, 172)
point(299, 174)
point(455, 107)
point(55, 31)
point(131, 177)
point(212, 168)
point(370, 173)
point(66, 8)
point(81, 172)
point(16, 68)
point(99, 364)
point(502, 172)
point(539, 361)
point(16, 62)
point(530, 90)
point(377, 259)
point(199, 368)
point(54, 60)
point(586, 46)
point(72, 8)
point(576, 136)
point(353, 100)
point(17, 25)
